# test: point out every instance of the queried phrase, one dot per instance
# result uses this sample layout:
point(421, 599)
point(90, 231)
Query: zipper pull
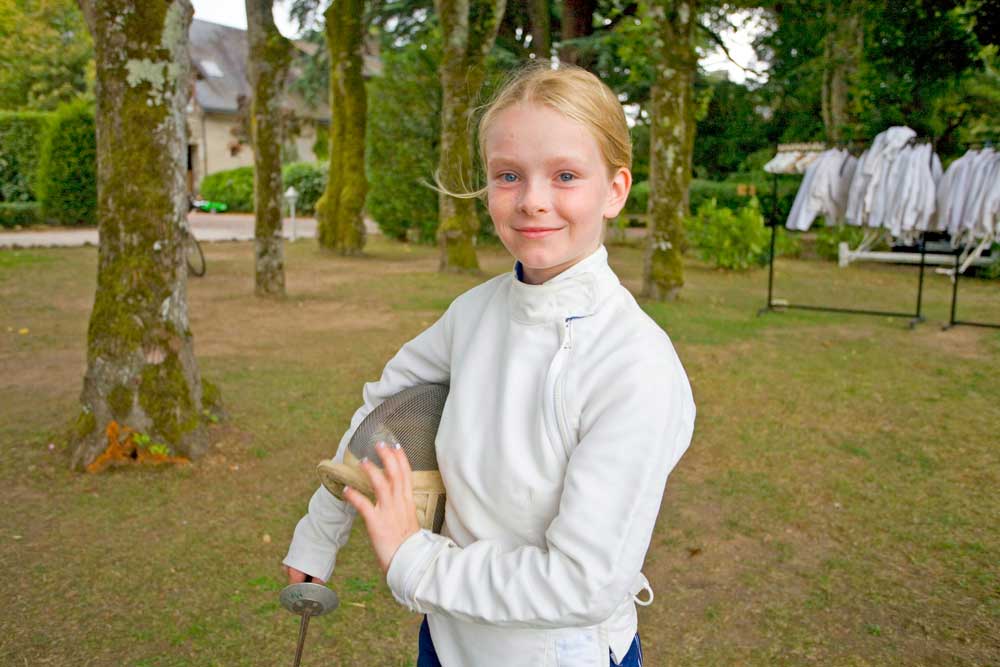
point(568, 335)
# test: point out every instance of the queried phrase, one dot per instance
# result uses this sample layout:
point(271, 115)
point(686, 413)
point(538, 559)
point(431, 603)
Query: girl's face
point(549, 192)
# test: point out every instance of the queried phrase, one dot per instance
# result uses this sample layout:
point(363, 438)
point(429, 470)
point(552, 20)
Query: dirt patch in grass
point(963, 342)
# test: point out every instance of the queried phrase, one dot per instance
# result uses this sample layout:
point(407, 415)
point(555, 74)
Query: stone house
point(218, 111)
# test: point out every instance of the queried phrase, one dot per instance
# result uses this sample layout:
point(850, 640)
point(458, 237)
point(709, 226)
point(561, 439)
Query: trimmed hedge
point(234, 187)
point(20, 214)
point(21, 134)
point(67, 167)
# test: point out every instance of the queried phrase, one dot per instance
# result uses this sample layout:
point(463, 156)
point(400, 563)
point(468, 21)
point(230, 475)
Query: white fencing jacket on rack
point(967, 191)
point(906, 203)
point(567, 410)
point(823, 191)
point(869, 177)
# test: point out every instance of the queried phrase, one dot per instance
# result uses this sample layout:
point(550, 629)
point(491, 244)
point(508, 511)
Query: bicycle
point(193, 255)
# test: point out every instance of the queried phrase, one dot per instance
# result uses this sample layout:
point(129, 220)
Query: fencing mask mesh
point(410, 418)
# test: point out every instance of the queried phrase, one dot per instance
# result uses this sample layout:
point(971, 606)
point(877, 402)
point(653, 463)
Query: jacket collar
point(576, 292)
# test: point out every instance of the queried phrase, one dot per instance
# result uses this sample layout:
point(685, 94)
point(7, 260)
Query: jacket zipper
point(558, 395)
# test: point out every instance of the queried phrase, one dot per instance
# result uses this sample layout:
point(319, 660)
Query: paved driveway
point(206, 226)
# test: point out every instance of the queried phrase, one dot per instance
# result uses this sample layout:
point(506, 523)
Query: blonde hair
point(571, 90)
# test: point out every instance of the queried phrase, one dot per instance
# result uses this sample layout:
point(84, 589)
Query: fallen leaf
point(23, 332)
point(266, 539)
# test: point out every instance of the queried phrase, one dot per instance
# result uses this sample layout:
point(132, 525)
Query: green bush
point(788, 187)
point(404, 128)
point(734, 240)
point(233, 187)
point(724, 194)
point(21, 134)
point(20, 214)
point(309, 180)
point(992, 271)
point(66, 184)
point(828, 239)
point(638, 198)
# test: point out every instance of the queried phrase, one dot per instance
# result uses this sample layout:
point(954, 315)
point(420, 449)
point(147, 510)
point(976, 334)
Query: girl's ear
point(618, 193)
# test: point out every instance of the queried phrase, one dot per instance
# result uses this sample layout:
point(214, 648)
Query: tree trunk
point(469, 28)
point(541, 28)
point(577, 21)
point(270, 55)
point(340, 210)
point(842, 51)
point(141, 368)
point(671, 144)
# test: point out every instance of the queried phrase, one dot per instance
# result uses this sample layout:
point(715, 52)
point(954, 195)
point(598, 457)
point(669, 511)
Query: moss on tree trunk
point(141, 369)
point(340, 210)
point(469, 28)
point(269, 58)
point(671, 145)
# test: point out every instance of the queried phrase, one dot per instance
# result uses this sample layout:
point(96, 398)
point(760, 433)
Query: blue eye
point(504, 178)
point(566, 173)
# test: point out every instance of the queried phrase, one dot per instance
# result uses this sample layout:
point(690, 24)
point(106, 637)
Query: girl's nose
point(534, 199)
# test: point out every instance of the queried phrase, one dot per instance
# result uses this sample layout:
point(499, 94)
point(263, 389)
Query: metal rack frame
point(915, 317)
point(952, 322)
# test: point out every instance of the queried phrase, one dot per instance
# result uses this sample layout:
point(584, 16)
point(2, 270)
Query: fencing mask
point(410, 418)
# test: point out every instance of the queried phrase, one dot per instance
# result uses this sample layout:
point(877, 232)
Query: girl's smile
point(549, 189)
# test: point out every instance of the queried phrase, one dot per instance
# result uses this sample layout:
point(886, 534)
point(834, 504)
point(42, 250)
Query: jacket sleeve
point(633, 431)
point(326, 526)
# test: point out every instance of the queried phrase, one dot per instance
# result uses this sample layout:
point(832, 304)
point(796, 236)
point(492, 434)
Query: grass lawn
point(838, 505)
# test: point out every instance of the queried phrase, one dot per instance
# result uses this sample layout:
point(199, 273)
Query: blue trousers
point(427, 656)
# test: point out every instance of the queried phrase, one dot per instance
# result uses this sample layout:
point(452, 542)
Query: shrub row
point(21, 135)
point(67, 167)
point(20, 214)
point(49, 158)
point(734, 193)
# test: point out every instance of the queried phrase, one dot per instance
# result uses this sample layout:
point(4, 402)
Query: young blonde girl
point(567, 410)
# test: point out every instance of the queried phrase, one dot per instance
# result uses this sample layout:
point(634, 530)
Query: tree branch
point(722, 45)
point(629, 10)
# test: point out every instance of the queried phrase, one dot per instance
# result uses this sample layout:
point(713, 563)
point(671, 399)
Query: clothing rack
point(915, 317)
point(956, 272)
point(952, 322)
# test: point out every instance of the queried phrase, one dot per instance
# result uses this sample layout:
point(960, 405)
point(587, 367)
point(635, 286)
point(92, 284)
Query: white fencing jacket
point(870, 175)
point(823, 191)
point(568, 408)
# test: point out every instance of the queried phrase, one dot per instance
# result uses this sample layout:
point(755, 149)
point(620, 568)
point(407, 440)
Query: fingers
point(406, 473)
point(390, 460)
point(395, 475)
point(397, 469)
point(377, 477)
point(359, 502)
point(298, 576)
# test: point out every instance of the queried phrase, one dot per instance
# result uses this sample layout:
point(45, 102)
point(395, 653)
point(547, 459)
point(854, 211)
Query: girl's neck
point(531, 276)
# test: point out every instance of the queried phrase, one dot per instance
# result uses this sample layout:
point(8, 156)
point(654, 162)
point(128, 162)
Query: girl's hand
point(393, 517)
point(298, 576)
